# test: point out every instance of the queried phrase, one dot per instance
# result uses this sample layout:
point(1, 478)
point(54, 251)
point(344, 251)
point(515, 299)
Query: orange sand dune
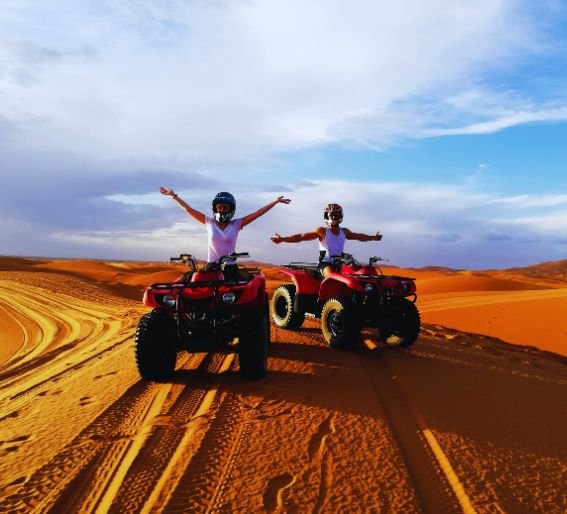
point(463, 283)
point(18, 263)
point(460, 422)
point(531, 318)
point(546, 272)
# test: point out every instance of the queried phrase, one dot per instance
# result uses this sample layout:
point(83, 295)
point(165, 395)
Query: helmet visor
point(222, 207)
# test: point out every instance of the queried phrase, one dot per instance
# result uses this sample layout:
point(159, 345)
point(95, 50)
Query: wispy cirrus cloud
point(527, 201)
point(501, 122)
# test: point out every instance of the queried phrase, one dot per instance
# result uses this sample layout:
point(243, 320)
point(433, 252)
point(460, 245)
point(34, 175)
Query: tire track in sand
point(16, 397)
point(55, 483)
point(52, 313)
point(157, 468)
point(437, 485)
point(203, 479)
point(111, 465)
point(52, 318)
point(96, 489)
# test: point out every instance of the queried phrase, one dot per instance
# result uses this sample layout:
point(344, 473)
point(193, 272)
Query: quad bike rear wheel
point(283, 314)
point(156, 348)
point(253, 346)
point(340, 322)
point(400, 324)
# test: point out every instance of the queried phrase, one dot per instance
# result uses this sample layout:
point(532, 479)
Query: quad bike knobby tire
point(253, 346)
point(340, 322)
point(400, 324)
point(156, 348)
point(283, 314)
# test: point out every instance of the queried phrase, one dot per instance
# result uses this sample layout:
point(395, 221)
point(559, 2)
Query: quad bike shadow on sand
point(353, 296)
point(203, 310)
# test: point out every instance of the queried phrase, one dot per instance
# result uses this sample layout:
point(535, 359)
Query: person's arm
point(362, 237)
point(296, 238)
point(198, 215)
point(263, 210)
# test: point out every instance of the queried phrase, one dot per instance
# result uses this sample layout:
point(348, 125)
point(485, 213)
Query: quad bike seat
point(311, 268)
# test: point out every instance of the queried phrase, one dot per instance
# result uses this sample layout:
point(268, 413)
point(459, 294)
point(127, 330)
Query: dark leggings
point(231, 272)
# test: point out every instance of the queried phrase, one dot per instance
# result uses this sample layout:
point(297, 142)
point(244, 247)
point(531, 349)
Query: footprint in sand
point(106, 375)
point(318, 439)
point(274, 490)
point(14, 446)
point(18, 481)
point(19, 439)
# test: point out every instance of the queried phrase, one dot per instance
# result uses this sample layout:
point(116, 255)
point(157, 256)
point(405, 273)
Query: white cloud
point(527, 201)
point(443, 225)
point(158, 244)
point(230, 82)
point(507, 120)
point(550, 224)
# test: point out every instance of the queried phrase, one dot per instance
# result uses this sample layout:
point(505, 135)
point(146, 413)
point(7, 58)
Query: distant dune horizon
point(548, 265)
point(521, 305)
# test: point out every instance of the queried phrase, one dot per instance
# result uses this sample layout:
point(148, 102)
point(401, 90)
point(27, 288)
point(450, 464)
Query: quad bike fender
point(338, 285)
point(303, 281)
point(150, 299)
point(254, 293)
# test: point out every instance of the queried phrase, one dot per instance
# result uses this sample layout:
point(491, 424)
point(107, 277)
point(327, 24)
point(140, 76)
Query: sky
point(441, 124)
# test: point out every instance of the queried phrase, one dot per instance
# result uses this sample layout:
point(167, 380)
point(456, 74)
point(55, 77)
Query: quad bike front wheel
point(253, 346)
point(340, 322)
point(156, 349)
point(283, 314)
point(400, 323)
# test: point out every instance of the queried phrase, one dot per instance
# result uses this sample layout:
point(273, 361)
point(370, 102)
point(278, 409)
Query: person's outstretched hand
point(166, 191)
point(277, 238)
point(281, 199)
point(378, 236)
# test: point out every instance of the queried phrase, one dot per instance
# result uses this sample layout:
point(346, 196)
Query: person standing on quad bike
point(222, 229)
point(331, 238)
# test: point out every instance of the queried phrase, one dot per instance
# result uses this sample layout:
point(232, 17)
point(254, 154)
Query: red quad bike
point(205, 311)
point(347, 300)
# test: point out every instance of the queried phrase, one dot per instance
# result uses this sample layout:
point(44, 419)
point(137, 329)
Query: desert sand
point(472, 418)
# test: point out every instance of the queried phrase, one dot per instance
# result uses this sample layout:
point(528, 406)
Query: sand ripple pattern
point(458, 423)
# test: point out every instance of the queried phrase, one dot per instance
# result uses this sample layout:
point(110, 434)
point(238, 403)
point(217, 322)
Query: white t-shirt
point(221, 242)
point(332, 244)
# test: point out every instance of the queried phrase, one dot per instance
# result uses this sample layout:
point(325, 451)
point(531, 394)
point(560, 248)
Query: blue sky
point(442, 124)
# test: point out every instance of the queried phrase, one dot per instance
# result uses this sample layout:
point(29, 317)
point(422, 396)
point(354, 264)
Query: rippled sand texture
point(470, 419)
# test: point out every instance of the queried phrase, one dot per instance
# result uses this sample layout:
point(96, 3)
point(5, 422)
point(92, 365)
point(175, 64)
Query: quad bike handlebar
point(338, 260)
point(225, 259)
point(349, 260)
point(375, 258)
point(186, 258)
point(191, 262)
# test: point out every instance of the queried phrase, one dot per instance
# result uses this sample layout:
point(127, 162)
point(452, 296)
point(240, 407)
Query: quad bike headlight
point(228, 297)
point(368, 288)
point(168, 300)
